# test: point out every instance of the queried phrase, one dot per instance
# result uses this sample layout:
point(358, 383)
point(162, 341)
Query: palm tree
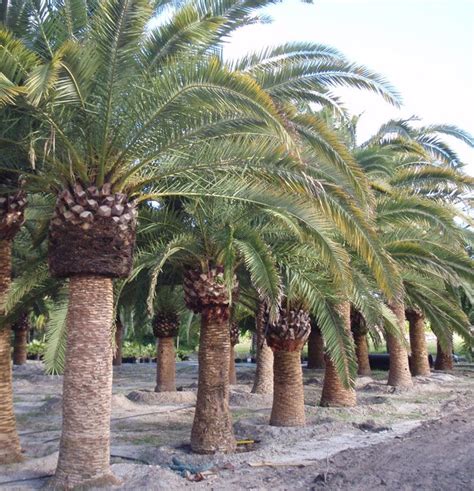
point(286, 337)
point(141, 140)
point(213, 243)
point(12, 206)
point(207, 294)
point(417, 182)
point(10, 448)
point(15, 127)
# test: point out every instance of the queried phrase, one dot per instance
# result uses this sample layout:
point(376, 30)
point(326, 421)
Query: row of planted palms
point(251, 195)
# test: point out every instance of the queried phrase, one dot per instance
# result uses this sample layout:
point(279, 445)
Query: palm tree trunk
point(334, 393)
point(444, 359)
point(232, 372)
point(212, 427)
point(263, 383)
point(362, 353)
point(117, 360)
point(419, 351)
point(315, 349)
point(165, 365)
point(20, 345)
point(399, 372)
point(84, 451)
point(288, 395)
point(10, 450)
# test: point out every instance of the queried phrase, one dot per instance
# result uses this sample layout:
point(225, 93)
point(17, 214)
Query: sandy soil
point(421, 438)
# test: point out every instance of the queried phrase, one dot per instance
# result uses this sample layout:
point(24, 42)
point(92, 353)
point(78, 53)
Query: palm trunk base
point(232, 371)
point(315, 349)
point(62, 483)
point(165, 365)
point(212, 427)
point(399, 374)
point(117, 360)
point(288, 395)
point(334, 393)
point(20, 346)
point(362, 353)
point(444, 360)
point(420, 365)
point(10, 450)
point(84, 450)
point(263, 382)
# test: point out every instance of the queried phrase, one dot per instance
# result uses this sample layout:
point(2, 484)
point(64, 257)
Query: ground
point(393, 440)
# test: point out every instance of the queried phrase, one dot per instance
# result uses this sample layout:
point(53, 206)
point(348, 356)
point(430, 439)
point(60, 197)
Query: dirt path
point(393, 439)
point(438, 455)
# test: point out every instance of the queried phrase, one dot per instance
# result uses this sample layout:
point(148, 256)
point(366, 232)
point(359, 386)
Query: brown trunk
point(359, 332)
point(419, 351)
point(263, 383)
point(232, 372)
point(117, 360)
point(165, 365)
point(10, 450)
point(334, 393)
point(362, 353)
point(444, 359)
point(20, 346)
point(212, 427)
point(84, 451)
point(315, 349)
point(288, 395)
point(399, 372)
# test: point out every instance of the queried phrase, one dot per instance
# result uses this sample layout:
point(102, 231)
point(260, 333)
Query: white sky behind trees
point(425, 48)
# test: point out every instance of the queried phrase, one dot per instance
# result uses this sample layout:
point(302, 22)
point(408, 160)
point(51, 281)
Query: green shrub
point(36, 348)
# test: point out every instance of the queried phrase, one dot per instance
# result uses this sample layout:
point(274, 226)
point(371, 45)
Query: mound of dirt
point(241, 396)
point(120, 402)
point(149, 398)
point(140, 477)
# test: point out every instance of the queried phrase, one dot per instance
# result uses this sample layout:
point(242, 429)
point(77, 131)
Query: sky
point(425, 48)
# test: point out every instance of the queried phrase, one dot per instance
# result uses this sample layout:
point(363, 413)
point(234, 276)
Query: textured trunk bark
point(444, 360)
point(419, 350)
point(10, 450)
point(117, 361)
point(263, 383)
point(288, 395)
point(253, 345)
point(399, 372)
point(212, 427)
point(362, 352)
point(315, 349)
point(20, 345)
point(165, 365)
point(334, 393)
point(232, 372)
point(84, 451)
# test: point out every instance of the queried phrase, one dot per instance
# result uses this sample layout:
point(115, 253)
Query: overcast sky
point(425, 48)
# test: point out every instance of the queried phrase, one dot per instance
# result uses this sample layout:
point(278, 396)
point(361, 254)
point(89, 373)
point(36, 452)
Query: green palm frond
point(56, 334)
